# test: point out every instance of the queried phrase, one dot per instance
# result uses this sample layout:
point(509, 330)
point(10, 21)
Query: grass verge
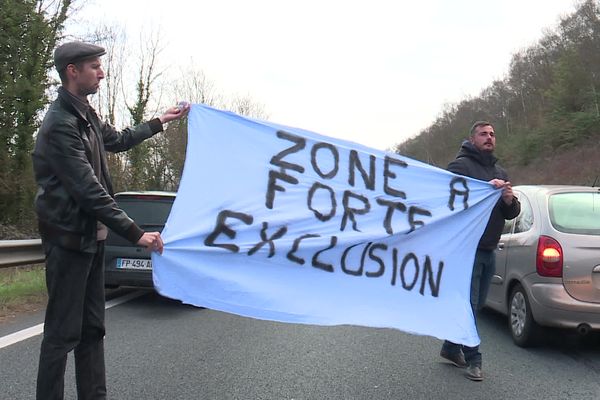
point(22, 289)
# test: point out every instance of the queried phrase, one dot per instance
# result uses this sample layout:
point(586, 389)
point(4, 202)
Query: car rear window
point(576, 212)
point(147, 211)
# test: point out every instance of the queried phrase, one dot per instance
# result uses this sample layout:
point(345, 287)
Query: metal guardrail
point(20, 252)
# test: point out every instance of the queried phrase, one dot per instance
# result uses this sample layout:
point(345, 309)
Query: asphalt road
point(160, 349)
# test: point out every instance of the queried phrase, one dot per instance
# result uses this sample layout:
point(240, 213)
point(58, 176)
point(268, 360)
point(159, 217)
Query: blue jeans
point(483, 270)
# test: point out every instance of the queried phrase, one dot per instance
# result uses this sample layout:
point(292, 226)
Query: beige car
point(548, 262)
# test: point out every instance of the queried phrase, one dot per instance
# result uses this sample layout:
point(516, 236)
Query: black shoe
point(474, 373)
point(458, 359)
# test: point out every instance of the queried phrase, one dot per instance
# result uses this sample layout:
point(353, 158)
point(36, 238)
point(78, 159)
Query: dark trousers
point(484, 268)
point(74, 321)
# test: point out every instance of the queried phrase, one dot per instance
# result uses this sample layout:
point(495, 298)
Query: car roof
point(153, 193)
point(556, 188)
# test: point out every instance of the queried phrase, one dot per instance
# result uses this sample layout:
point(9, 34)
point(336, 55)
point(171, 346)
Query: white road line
point(21, 335)
point(27, 333)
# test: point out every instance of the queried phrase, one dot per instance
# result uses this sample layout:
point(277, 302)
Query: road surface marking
point(27, 333)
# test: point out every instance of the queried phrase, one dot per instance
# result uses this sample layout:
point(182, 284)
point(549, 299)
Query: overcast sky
point(374, 72)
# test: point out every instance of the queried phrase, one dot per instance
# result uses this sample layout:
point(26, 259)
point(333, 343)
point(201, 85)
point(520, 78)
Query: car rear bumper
point(553, 306)
point(115, 277)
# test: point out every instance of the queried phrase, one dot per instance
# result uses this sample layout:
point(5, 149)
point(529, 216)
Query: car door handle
point(500, 246)
point(596, 269)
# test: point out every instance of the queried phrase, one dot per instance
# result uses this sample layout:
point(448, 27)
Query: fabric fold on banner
point(283, 224)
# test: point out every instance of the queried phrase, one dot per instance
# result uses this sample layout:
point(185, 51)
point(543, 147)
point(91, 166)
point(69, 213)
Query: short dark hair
point(477, 124)
point(62, 74)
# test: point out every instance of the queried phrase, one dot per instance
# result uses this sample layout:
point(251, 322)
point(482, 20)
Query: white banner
point(282, 224)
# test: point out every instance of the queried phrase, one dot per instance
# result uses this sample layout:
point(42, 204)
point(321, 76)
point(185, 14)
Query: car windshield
point(576, 212)
point(146, 212)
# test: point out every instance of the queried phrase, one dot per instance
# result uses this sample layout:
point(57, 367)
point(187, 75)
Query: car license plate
point(134, 263)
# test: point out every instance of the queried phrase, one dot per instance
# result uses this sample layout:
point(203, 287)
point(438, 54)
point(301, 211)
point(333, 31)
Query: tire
point(523, 328)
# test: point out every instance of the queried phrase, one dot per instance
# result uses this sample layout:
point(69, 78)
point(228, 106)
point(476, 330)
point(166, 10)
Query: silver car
point(548, 262)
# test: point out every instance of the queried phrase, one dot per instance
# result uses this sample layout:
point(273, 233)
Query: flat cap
point(72, 52)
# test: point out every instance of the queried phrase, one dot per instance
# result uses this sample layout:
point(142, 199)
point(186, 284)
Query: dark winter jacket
point(480, 165)
point(71, 198)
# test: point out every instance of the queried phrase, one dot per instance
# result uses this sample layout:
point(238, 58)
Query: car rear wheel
point(524, 329)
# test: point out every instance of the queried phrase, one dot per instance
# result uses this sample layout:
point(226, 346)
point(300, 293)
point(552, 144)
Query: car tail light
point(549, 260)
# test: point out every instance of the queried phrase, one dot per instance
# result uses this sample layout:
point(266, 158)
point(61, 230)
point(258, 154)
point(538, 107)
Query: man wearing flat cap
point(74, 206)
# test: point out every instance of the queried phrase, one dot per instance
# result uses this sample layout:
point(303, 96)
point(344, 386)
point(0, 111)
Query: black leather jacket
point(475, 164)
point(70, 198)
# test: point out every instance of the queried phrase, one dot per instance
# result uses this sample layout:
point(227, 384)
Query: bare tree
point(246, 105)
point(113, 39)
point(157, 163)
point(192, 85)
